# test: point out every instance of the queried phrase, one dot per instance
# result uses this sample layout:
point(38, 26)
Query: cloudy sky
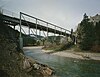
point(65, 13)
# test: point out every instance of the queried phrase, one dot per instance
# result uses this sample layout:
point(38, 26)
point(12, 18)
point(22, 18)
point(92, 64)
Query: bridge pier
point(21, 42)
point(20, 37)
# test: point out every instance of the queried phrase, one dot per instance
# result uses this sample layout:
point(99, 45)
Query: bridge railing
point(47, 24)
point(8, 13)
point(33, 19)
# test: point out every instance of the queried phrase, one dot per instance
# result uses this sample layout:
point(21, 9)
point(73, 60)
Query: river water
point(65, 67)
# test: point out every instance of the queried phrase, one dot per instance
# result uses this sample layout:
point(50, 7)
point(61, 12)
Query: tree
point(97, 33)
point(86, 33)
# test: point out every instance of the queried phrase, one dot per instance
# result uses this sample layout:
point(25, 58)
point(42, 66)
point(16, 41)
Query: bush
point(65, 46)
point(96, 48)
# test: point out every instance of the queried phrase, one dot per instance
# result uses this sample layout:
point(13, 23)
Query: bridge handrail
point(44, 21)
point(13, 14)
point(9, 13)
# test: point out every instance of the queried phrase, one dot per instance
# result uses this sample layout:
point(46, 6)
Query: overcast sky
point(65, 13)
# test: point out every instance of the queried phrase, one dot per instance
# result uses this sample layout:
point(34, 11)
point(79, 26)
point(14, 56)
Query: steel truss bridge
point(21, 21)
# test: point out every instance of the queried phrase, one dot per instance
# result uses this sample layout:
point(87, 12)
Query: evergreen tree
point(97, 33)
point(86, 34)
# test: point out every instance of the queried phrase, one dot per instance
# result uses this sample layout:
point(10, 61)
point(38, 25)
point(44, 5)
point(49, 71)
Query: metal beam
point(20, 25)
point(36, 26)
point(12, 20)
point(44, 21)
point(47, 31)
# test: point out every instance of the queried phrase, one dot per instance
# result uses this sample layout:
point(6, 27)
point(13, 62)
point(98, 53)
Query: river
point(65, 67)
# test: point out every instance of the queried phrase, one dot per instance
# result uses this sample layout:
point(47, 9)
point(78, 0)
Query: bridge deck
point(15, 21)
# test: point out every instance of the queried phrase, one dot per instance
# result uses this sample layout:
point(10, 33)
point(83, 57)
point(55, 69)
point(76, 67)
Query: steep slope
point(13, 63)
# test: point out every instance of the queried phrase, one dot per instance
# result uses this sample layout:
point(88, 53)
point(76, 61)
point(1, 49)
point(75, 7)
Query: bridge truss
point(21, 21)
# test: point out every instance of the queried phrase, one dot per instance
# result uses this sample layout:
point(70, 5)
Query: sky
point(64, 13)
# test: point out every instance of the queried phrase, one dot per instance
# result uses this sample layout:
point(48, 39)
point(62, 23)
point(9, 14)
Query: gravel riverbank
point(74, 54)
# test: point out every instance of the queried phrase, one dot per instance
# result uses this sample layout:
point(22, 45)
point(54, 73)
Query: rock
point(36, 66)
point(27, 65)
point(48, 71)
point(29, 69)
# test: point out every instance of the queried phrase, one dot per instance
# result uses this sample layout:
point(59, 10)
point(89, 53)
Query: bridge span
point(13, 21)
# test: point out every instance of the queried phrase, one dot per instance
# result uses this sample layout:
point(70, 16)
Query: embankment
point(13, 62)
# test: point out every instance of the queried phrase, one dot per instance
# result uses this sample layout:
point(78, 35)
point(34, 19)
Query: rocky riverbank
point(13, 62)
point(41, 70)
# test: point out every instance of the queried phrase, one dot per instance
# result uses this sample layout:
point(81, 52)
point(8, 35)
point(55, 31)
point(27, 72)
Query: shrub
point(96, 48)
point(65, 46)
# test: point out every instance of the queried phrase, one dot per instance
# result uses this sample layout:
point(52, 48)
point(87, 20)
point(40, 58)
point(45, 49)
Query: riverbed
point(65, 67)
